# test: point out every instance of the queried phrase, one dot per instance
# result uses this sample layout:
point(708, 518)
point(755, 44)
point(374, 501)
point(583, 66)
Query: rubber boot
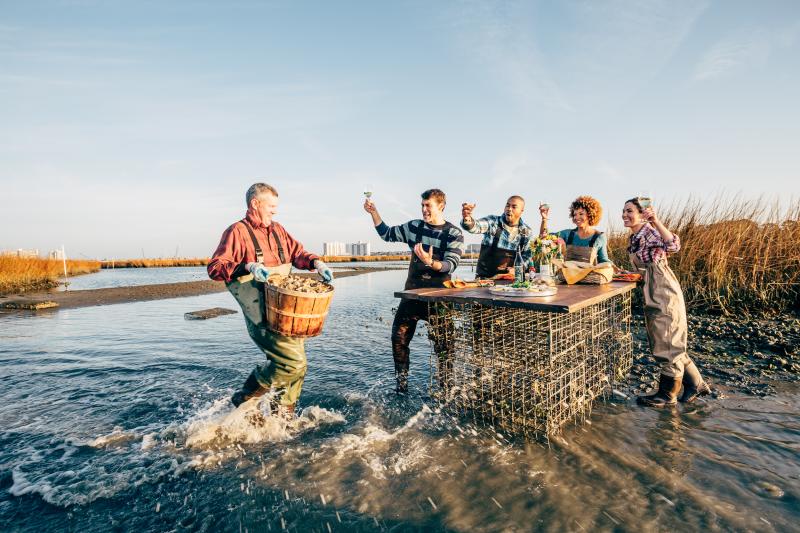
point(667, 395)
point(286, 411)
point(251, 389)
point(693, 384)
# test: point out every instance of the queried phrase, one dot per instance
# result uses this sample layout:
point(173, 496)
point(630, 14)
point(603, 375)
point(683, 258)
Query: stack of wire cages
point(528, 372)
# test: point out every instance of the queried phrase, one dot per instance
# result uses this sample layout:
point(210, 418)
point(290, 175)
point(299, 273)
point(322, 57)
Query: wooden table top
point(570, 298)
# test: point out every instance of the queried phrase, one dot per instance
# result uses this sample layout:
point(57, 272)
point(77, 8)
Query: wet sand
point(138, 293)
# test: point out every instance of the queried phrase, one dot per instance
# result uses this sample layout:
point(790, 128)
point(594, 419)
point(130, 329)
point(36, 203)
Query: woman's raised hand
point(369, 207)
point(649, 214)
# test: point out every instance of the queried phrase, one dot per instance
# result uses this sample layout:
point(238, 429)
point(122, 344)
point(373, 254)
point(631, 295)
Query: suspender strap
point(496, 240)
point(280, 246)
point(591, 241)
point(259, 252)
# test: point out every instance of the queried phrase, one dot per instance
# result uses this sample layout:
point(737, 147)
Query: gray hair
point(257, 189)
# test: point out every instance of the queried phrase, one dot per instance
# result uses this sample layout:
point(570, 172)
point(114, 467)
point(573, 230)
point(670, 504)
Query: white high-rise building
point(334, 248)
point(359, 248)
point(340, 248)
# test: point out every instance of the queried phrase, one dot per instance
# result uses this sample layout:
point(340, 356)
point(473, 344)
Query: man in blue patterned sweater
point(436, 247)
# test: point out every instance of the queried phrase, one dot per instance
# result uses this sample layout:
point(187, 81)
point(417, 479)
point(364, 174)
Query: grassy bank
point(737, 256)
point(156, 263)
point(18, 274)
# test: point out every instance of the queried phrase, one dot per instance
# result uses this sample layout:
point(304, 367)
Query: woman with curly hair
point(664, 307)
point(584, 242)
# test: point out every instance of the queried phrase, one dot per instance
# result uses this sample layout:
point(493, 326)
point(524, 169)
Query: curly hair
point(592, 207)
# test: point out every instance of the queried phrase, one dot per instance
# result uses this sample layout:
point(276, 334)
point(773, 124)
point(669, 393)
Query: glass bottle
point(519, 267)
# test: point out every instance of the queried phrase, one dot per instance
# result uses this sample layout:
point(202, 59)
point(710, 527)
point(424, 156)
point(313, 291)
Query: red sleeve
point(229, 255)
point(297, 255)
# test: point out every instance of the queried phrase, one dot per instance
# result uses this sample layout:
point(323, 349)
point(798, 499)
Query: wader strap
point(591, 241)
point(496, 240)
point(280, 246)
point(259, 252)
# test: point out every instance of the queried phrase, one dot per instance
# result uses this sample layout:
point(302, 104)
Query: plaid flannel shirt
point(649, 247)
point(488, 226)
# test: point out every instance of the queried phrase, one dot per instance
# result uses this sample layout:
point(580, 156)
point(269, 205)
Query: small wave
point(251, 423)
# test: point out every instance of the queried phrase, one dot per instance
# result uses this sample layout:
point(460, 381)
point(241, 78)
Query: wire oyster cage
point(525, 371)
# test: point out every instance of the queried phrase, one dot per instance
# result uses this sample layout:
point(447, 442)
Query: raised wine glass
point(645, 199)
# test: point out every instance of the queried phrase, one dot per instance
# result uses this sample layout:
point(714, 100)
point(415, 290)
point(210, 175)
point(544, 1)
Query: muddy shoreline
point(136, 293)
point(747, 355)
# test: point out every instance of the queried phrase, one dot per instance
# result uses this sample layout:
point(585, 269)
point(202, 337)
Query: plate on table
point(524, 292)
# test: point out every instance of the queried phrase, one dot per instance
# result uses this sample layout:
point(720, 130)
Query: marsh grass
point(156, 262)
point(19, 274)
point(737, 255)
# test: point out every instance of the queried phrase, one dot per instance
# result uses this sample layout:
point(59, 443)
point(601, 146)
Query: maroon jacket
point(236, 249)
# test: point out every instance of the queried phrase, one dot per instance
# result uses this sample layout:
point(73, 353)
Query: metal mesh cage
point(528, 371)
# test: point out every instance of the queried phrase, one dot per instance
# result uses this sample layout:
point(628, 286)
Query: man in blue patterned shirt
point(502, 236)
point(436, 247)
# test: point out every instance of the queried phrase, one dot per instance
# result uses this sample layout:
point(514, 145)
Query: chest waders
point(286, 356)
point(664, 315)
point(494, 260)
point(409, 312)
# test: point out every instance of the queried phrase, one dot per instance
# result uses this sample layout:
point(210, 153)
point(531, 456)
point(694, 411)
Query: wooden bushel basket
point(296, 314)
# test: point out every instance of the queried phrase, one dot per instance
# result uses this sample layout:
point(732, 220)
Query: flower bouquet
point(545, 250)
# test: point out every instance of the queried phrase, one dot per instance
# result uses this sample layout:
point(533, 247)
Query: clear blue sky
point(139, 125)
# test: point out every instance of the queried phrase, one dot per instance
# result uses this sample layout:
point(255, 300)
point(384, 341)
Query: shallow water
point(126, 277)
point(116, 417)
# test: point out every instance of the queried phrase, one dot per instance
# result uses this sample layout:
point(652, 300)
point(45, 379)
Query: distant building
point(56, 254)
point(334, 248)
point(472, 248)
point(19, 252)
point(340, 248)
point(359, 248)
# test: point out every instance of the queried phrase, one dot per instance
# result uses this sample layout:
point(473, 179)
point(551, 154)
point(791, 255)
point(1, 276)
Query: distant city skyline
point(136, 128)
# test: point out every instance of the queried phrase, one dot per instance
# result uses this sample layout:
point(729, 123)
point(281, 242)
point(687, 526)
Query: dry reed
point(737, 255)
point(18, 274)
point(156, 263)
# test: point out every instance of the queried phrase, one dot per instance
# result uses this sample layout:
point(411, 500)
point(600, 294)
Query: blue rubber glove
point(323, 270)
point(259, 271)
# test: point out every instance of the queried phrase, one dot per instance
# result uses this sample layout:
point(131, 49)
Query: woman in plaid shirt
point(664, 307)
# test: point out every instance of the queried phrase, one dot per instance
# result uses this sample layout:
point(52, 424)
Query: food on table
point(627, 276)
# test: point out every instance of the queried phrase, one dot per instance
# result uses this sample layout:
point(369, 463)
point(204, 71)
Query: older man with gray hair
point(249, 251)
